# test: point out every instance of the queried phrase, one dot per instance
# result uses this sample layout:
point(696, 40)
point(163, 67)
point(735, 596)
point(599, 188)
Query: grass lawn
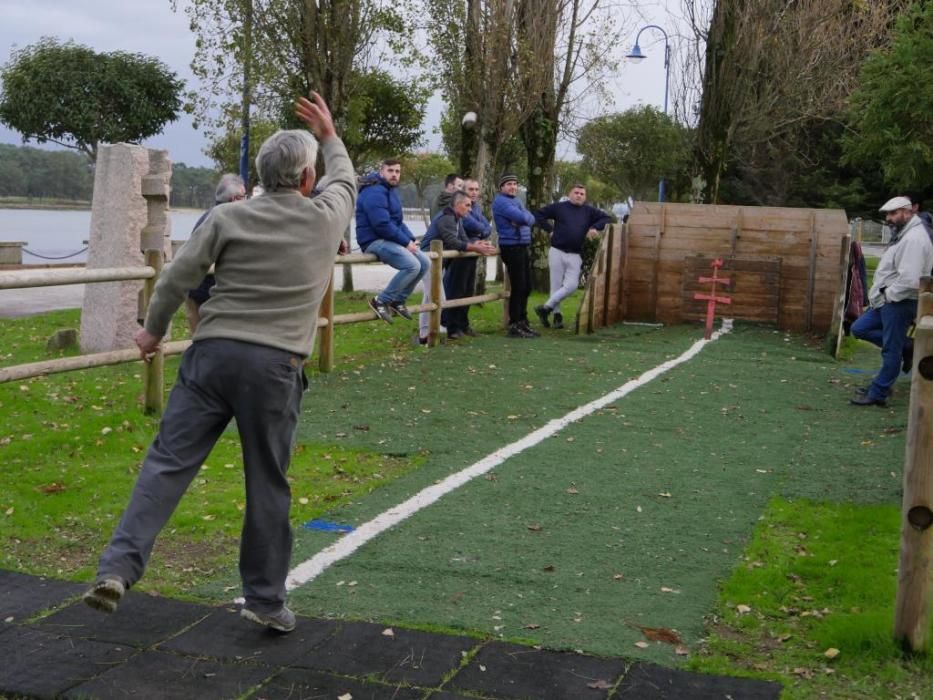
point(736, 501)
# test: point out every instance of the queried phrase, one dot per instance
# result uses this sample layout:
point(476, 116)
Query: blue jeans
point(411, 268)
point(887, 328)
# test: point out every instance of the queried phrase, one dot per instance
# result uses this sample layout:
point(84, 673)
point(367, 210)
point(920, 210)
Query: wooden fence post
point(811, 273)
point(913, 615)
point(436, 282)
point(154, 370)
point(325, 360)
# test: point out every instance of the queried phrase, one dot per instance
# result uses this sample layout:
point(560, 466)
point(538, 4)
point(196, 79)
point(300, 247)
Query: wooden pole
point(607, 243)
point(25, 279)
point(656, 268)
point(913, 615)
point(154, 369)
point(507, 292)
point(811, 273)
point(623, 283)
point(325, 359)
point(437, 268)
point(837, 326)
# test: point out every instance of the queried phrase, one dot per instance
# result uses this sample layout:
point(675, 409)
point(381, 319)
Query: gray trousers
point(220, 379)
point(565, 276)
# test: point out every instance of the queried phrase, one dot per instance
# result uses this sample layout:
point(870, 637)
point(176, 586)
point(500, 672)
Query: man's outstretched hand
point(316, 115)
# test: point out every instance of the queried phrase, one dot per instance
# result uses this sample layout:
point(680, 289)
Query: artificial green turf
point(669, 481)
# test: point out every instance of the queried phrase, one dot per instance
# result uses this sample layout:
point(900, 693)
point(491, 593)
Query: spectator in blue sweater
point(574, 222)
point(475, 224)
point(380, 230)
point(513, 223)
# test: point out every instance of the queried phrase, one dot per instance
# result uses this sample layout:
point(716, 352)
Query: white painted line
point(349, 543)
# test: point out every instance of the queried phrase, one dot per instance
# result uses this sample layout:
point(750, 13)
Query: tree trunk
point(539, 135)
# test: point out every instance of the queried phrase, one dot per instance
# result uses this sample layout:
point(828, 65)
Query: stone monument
point(129, 213)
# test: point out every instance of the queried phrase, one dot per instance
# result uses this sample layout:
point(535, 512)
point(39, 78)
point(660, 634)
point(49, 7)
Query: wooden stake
point(154, 369)
point(913, 615)
point(325, 359)
point(437, 270)
point(811, 273)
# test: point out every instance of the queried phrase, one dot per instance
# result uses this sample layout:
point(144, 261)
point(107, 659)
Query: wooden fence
point(153, 375)
point(786, 266)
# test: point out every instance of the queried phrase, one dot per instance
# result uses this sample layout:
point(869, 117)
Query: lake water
point(60, 233)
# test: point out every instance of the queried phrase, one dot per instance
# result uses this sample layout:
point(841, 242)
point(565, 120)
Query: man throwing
point(893, 297)
point(381, 230)
point(574, 222)
point(273, 258)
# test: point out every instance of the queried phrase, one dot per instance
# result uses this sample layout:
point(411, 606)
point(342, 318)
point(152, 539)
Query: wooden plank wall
point(644, 263)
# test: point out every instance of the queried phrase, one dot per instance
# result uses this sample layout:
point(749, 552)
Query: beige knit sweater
point(273, 257)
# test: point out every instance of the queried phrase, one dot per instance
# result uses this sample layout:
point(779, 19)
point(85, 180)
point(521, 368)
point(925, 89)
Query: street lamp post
point(636, 56)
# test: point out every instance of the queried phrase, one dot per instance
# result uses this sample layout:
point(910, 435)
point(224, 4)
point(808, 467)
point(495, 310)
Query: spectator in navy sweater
point(574, 222)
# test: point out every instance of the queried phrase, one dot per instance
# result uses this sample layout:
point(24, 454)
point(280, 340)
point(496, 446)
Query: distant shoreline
point(27, 203)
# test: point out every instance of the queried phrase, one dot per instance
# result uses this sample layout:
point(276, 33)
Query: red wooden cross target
point(712, 297)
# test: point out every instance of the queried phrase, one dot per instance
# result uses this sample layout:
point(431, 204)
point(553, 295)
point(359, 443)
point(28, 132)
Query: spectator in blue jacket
point(380, 230)
point(513, 223)
point(475, 224)
point(574, 222)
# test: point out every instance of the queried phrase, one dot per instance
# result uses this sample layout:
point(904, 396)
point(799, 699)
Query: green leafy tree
point(384, 117)
point(891, 111)
point(224, 149)
point(423, 170)
point(633, 150)
point(70, 95)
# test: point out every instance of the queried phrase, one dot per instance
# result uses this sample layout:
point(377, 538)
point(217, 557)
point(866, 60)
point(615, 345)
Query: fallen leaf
point(742, 609)
point(642, 645)
point(599, 685)
point(665, 589)
point(549, 568)
point(345, 696)
point(362, 426)
point(638, 508)
point(831, 653)
point(665, 494)
point(303, 501)
point(571, 439)
point(661, 634)
point(208, 517)
point(572, 491)
point(482, 668)
point(531, 626)
point(535, 527)
point(682, 651)
point(388, 632)
point(54, 487)
point(618, 577)
point(340, 434)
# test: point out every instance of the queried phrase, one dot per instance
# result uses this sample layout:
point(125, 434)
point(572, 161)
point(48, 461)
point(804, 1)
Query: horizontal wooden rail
point(69, 364)
point(24, 279)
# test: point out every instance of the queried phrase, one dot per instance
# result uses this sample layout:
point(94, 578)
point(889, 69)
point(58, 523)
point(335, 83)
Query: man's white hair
point(229, 188)
point(282, 158)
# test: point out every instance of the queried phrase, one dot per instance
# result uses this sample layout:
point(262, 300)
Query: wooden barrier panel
point(786, 262)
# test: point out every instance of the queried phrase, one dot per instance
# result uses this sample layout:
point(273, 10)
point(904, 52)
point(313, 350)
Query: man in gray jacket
point(893, 298)
point(273, 257)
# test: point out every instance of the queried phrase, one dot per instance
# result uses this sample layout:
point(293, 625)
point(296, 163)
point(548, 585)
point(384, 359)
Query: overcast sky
point(150, 27)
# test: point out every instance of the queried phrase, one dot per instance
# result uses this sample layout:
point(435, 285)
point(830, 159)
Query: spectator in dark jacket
point(229, 189)
point(452, 183)
point(458, 278)
point(513, 224)
point(574, 222)
point(381, 230)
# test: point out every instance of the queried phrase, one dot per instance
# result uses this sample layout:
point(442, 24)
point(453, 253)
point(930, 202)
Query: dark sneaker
point(455, 335)
point(558, 321)
point(105, 595)
point(281, 621)
point(516, 331)
point(470, 332)
point(528, 329)
point(381, 310)
point(543, 313)
point(401, 310)
point(867, 401)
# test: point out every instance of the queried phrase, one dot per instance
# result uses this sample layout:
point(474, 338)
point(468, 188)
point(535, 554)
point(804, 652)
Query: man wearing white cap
point(893, 298)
